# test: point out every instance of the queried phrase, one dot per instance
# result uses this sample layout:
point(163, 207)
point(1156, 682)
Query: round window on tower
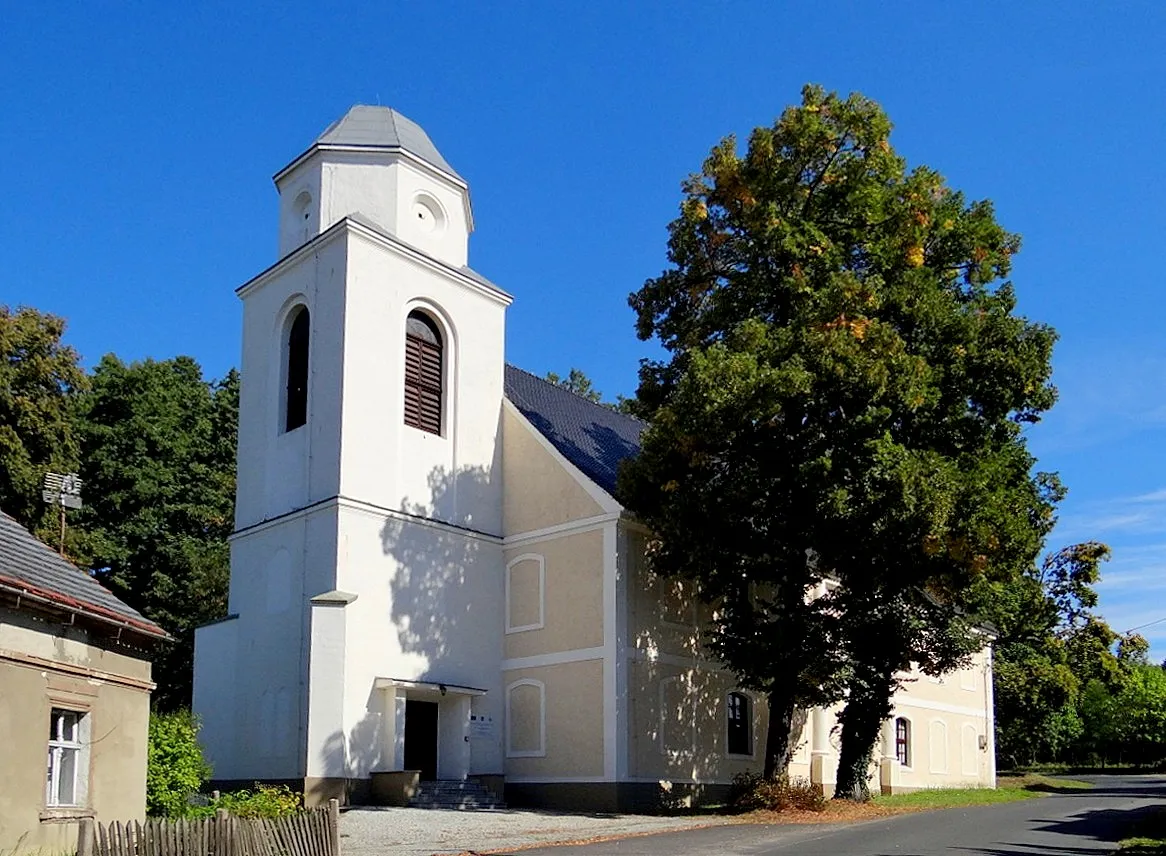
point(426, 215)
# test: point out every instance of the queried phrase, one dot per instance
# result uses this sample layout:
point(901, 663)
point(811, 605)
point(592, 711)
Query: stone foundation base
point(612, 796)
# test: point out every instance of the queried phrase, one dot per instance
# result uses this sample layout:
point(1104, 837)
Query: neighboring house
point(74, 698)
point(430, 571)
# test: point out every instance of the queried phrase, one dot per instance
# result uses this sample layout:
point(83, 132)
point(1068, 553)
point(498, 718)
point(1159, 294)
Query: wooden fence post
point(333, 827)
point(223, 829)
point(85, 837)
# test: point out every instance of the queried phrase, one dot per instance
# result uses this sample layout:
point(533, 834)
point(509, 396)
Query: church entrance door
point(421, 738)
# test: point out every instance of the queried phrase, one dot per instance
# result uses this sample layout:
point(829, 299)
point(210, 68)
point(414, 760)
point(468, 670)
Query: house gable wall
point(42, 666)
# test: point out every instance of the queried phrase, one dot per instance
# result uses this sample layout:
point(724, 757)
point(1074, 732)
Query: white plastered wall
point(455, 477)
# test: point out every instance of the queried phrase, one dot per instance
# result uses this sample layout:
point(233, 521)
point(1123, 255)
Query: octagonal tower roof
point(383, 128)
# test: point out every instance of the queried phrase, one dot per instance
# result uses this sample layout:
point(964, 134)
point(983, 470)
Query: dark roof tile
point(591, 436)
point(26, 563)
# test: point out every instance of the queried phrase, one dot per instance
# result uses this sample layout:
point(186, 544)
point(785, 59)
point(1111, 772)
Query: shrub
point(751, 791)
point(264, 801)
point(175, 767)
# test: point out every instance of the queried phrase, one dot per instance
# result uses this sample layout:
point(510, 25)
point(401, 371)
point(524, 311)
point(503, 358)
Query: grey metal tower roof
point(384, 128)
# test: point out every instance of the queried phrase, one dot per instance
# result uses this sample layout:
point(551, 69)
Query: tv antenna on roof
point(64, 491)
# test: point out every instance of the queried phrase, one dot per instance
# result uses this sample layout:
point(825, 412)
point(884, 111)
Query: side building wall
point(558, 669)
point(47, 666)
point(678, 703)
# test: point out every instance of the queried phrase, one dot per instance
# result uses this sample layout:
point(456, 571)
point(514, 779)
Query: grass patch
point(1042, 784)
point(955, 797)
point(1149, 837)
point(1008, 789)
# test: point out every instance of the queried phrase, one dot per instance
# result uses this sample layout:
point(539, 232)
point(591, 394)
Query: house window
point(740, 724)
point(423, 373)
point(66, 776)
point(296, 413)
point(903, 741)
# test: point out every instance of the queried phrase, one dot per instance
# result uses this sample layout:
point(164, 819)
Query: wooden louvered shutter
point(423, 375)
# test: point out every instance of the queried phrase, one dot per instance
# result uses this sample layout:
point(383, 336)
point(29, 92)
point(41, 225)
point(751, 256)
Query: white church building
point(431, 578)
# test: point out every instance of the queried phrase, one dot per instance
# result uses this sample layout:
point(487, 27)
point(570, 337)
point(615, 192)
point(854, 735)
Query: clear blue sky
point(137, 143)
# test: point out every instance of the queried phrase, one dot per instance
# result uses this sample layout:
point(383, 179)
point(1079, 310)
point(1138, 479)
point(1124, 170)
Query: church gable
point(592, 440)
point(540, 490)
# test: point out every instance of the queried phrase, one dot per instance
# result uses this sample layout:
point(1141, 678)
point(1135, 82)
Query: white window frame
point(751, 719)
point(542, 592)
point(541, 751)
point(58, 747)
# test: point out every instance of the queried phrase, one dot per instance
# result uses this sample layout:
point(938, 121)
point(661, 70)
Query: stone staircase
point(454, 793)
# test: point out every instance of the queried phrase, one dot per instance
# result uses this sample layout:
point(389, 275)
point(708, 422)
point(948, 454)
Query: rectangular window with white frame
point(68, 759)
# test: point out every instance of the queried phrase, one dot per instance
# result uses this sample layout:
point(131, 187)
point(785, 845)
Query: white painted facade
point(376, 566)
point(361, 543)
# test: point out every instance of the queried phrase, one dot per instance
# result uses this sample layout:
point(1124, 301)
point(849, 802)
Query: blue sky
point(138, 142)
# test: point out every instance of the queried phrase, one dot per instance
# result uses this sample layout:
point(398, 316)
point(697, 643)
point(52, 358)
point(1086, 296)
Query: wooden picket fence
point(315, 832)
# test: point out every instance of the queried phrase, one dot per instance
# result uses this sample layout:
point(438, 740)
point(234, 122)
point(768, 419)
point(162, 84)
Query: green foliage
point(263, 801)
point(751, 792)
point(1066, 685)
point(158, 445)
point(578, 383)
point(175, 768)
point(844, 389)
point(39, 380)
point(155, 446)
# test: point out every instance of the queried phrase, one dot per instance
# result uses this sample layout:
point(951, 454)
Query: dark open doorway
point(421, 738)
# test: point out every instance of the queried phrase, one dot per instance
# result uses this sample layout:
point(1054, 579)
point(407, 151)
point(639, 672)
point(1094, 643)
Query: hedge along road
point(1082, 823)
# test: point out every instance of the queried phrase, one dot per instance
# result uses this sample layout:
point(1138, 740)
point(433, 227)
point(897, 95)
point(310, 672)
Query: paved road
point(1079, 824)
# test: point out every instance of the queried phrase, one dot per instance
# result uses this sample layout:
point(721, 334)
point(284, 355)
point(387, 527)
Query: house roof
point(591, 436)
point(30, 568)
point(370, 127)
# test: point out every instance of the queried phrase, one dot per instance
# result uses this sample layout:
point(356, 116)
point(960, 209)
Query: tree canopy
point(843, 394)
point(158, 451)
point(40, 378)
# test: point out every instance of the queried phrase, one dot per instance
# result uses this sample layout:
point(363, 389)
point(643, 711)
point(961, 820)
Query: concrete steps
point(454, 793)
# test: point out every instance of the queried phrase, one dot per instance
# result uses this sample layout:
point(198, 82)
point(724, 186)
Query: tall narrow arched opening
point(424, 373)
point(740, 724)
point(296, 370)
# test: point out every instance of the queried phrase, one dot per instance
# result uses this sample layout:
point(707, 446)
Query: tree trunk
point(867, 706)
point(777, 739)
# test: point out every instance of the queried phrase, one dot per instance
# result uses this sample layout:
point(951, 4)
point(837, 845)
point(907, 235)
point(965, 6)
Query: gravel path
point(422, 832)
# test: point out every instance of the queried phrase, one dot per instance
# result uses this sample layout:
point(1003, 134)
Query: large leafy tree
point(845, 380)
point(158, 444)
point(1059, 667)
point(40, 378)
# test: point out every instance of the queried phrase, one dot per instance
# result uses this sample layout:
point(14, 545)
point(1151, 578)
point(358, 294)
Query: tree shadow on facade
point(444, 572)
point(690, 720)
point(595, 448)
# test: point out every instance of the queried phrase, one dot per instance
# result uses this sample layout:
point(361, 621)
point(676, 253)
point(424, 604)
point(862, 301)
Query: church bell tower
point(368, 513)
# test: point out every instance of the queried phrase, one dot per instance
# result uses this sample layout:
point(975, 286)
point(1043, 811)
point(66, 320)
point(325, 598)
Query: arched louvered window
point(296, 412)
point(423, 373)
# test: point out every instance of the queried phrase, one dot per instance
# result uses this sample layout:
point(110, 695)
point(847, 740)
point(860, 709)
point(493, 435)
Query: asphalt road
point(1079, 824)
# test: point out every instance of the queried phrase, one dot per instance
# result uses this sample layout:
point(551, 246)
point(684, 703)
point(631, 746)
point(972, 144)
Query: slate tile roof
point(372, 127)
point(592, 437)
point(27, 565)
